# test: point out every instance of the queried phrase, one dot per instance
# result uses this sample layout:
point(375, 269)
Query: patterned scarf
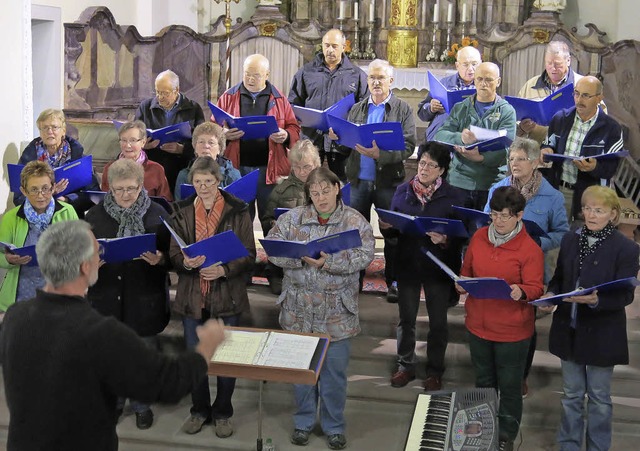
point(206, 226)
point(62, 155)
point(529, 189)
point(583, 243)
point(498, 239)
point(40, 220)
point(424, 193)
point(142, 158)
point(130, 220)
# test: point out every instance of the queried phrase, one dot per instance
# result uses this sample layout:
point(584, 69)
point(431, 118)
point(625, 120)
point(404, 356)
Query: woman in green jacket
point(22, 226)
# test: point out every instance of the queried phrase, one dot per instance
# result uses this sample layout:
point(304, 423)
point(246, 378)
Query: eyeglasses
point(583, 95)
point(380, 79)
point(502, 216)
point(305, 168)
point(470, 64)
point(165, 93)
point(483, 80)
point(431, 165)
point(253, 76)
point(128, 190)
point(129, 142)
point(211, 143)
point(44, 191)
point(316, 194)
point(50, 128)
point(205, 183)
point(595, 211)
point(518, 160)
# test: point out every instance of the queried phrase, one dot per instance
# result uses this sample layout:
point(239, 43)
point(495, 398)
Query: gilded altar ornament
point(403, 13)
point(268, 29)
point(540, 36)
point(402, 48)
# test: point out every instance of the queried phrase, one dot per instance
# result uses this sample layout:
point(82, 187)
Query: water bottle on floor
point(269, 446)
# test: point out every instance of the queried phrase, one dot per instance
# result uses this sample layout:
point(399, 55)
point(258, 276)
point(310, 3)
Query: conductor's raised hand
point(210, 336)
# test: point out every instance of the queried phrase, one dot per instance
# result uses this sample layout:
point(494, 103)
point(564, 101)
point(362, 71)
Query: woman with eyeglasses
point(320, 295)
point(545, 207)
point(588, 333)
point(289, 193)
point(427, 194)
point(132, 137)
point(56, 148)
point(499, 329)
point(209, 141)
point(22, 226)
point(134, 292)
point(216, 291)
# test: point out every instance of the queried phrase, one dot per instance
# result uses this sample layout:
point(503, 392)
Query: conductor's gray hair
point(62, 248)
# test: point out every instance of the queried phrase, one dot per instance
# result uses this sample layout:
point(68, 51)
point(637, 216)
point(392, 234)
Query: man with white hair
point(374, 174)
point(430, 109)
point(256, 96)
point(169, 107)
point(62, 379)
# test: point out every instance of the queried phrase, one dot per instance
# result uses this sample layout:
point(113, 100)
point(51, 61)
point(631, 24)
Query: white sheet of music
point(288, 351)
point(240, 347)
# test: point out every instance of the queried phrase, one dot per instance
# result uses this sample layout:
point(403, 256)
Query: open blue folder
point(8, 248)
point(481, 219)
point(541, 111)
point(447, 98)
point(478, 287)
point(602, 156)
point(613, 285)
point(245, 188)
point(169, 134)
point(329, 244)
point(119, 250)
point(218, 249)
point(420, 225)
point(346, 198)
point(79, 173)
point(254, 127)
point(312, 118)
point(387, 135)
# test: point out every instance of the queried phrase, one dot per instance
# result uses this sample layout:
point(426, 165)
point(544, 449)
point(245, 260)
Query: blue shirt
point(375, 115)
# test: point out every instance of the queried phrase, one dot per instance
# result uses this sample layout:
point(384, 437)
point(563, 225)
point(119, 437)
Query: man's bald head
point(256, 72)
point(487, 81)
point(333, 44)
point(587, 95)
point(467, 60)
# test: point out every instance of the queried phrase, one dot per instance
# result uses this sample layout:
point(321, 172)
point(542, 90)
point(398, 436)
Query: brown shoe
point(402, 377)
point(432, 383)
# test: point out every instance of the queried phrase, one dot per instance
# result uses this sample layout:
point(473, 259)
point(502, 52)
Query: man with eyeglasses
point(256, 96)
point(374, 174)
point(430, 109)
point(169, 107)
point(330, 77)
point(557, 74)
point(470, 170)
point(582, 131)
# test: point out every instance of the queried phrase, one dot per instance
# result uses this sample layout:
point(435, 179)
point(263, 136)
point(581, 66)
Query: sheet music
point(288, 351)
point(240, 347)
point(483, 134)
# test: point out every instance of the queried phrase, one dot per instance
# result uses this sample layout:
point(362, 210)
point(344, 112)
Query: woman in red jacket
point(500, 330)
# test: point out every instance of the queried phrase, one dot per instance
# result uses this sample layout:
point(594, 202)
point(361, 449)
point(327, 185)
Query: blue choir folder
point(603, 156)
point(218, 249)
point(346, 198)
point(447, 98)
point(79, 173)
point(119, 250)
point(312, 118)
point(481, 219)
point(420, 225)
point(541, 111)
point(615, 284)
point(387, 135)
point(491, 145)
point(169, 134)
point(329, 244)
point(254, 127)
point(8, 248)
point(245, 188)
point(478, 287)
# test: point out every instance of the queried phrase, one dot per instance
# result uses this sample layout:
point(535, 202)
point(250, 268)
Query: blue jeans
point(263, 193)
point(595, 382)
point(364, 194)
point(331, 389)
point(200, 396)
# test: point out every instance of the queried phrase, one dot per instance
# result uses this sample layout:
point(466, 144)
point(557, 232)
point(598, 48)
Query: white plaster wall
point(618, 18)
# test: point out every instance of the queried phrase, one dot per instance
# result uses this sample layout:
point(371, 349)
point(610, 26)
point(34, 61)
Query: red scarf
point(206, 226)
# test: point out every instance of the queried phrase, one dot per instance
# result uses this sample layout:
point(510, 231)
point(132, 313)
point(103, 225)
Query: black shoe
point(144, 420)
point(392, 293)
point(337, 441)
point(300, 437)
